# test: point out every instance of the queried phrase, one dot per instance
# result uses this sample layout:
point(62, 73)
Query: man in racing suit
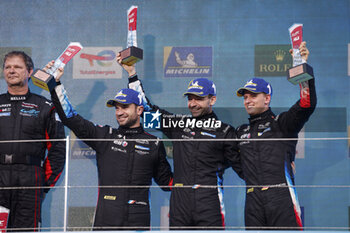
point(26, 116)
point(196, 163)
point(120, 162)
point(271, 199)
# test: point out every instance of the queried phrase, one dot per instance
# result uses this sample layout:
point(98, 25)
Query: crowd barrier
point(66, 187)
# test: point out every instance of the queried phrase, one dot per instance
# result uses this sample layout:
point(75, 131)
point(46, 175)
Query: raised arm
point(135, 84)
point(294, 119)
point(81, 127)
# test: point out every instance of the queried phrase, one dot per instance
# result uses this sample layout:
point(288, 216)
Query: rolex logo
point(279, 55)
point(272, 60)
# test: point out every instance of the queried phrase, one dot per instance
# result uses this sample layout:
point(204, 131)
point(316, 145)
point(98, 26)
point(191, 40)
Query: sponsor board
point(5, 50)
point(272, 60)
point(97, 63)
point(187, 62)
point(79, 150)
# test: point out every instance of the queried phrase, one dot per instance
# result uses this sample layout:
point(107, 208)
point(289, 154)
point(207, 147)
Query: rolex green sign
point(272, 60)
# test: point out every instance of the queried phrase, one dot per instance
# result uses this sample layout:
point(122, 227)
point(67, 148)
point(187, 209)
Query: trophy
point(132, 53)
point(4, 214)
point(46, 80)
point(301, 71)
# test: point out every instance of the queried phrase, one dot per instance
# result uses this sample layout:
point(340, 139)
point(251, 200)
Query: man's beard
point(129, 123)
point(202, 112)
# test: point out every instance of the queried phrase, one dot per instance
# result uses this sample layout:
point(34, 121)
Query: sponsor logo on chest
point(29, 109)
point(142, 150)
point(245, 136)
point(120, 142)
point(118, 149)
point(5, 110)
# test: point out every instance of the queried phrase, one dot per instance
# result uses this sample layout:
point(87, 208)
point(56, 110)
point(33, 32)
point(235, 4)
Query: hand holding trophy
point(46, 80)
point(301, 71)
point(132, 53)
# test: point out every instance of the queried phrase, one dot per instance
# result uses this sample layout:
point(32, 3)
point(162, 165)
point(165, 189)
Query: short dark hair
point(27, 59)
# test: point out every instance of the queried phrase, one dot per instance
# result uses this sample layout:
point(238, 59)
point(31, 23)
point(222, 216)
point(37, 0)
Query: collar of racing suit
point(261, 116)
point(126, 130)
point(11, 97)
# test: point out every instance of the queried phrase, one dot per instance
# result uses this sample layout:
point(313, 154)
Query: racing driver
point(271, 199)
point(120, 162)
point(197, 164)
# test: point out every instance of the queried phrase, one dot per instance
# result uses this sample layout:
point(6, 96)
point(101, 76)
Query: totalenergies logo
point(101, 58)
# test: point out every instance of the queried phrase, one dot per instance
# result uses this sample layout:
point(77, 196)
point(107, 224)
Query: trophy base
point(300, 73)
point(43, 80)
point(131, 55)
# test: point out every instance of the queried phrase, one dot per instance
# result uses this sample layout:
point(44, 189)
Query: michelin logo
point(187, 61)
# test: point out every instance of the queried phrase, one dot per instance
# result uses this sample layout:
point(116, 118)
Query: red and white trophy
point(46, 80)
point(132, 53)
point(301, 71)
point(4, 215)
